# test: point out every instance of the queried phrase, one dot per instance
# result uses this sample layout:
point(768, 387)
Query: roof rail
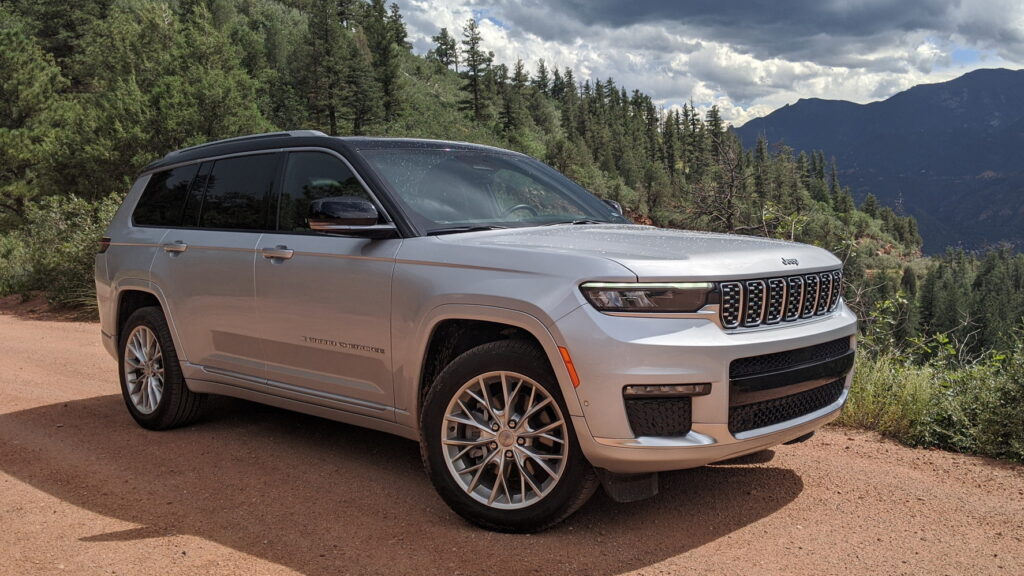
point(295, 133)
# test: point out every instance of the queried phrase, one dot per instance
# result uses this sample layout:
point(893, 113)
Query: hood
point(656, 254)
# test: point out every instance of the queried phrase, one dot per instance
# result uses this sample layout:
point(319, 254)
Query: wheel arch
point(132, 294)
point(452, 329)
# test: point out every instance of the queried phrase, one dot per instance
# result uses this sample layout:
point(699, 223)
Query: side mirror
point(348, 215)
point(613, 204)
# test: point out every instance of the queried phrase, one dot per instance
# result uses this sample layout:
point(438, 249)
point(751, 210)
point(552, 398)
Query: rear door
point(324, 301)
point(205, 267)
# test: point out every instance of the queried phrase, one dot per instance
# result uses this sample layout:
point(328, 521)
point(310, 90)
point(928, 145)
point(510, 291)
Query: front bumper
point(611, 352)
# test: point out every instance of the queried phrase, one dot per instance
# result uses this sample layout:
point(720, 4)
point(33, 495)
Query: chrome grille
point(772, 300)
point(732, 298)
point(754, 309)
point(776, 300)
point(825, 281)
point(811, 293)
point(795, 297)
point(837, 289)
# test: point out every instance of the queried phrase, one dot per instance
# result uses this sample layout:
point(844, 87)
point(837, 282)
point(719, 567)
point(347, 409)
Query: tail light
point(104, 244)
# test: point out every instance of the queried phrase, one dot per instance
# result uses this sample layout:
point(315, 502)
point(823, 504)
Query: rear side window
point(312, 176)
point(162, 201)
point(237, 191)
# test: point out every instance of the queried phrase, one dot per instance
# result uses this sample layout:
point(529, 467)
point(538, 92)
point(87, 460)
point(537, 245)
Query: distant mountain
point(951, 154)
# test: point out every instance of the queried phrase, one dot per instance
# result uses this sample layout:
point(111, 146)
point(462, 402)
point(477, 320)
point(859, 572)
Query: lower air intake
point(770, 412)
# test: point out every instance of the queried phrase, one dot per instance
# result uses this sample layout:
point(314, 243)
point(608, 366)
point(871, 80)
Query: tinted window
point(311, 176)
point(236, 192)
point(164, 197)
point(190, 215)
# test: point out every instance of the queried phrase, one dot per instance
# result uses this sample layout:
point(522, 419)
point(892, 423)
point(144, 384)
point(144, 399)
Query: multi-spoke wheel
point(144, 369)
point(498, 443)
point(151, 381)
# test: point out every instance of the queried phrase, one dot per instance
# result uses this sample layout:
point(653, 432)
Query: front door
point(324, 301)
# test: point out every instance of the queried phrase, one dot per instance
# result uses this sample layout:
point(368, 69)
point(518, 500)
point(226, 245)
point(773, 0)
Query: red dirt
point(256, 490)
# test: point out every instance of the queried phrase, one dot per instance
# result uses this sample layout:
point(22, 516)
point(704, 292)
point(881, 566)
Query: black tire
point(570, 491)
point(178, 406)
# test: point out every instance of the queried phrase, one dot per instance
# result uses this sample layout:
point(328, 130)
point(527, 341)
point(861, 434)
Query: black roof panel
point(299, 138)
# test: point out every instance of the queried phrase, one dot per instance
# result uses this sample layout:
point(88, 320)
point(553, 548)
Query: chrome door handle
point(280, 252)
point(176, 247)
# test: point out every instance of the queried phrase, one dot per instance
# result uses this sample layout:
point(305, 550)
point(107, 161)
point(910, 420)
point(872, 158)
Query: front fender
point(408, 369)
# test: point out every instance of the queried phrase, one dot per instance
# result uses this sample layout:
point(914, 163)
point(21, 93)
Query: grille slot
point(837, 289)
point(810, 296)
point(825, 282)
point(776, 300)
point(659, 416)
point(789, 359)
point(755, 303)
point(772, 300)
point(767, 413)
point(795, 297)
point(732, 297)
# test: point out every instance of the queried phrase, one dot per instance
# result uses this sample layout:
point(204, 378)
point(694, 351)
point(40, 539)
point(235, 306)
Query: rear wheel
point(152, 384)
point(497, 441)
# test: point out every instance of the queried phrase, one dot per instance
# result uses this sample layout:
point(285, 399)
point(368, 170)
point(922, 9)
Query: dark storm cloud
point(820, 31)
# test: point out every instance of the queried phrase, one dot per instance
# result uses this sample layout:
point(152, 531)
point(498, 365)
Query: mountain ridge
point(951, 153)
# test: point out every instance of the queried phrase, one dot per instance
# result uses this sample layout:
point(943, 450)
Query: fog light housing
point(666, 390)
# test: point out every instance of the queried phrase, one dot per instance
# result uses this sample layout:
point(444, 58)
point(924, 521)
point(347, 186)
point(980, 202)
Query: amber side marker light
point(569, 366)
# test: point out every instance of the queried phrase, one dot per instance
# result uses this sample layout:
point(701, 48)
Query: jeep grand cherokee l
point(531, 339)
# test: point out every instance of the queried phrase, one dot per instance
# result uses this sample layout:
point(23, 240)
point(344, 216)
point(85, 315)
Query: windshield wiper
point(578, 221)
point(457, 229)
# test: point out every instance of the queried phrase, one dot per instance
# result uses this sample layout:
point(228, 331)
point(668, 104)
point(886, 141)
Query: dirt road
point(255, 490)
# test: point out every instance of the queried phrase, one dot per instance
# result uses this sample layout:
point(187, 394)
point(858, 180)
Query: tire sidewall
point(153, 319)
point(498, 356)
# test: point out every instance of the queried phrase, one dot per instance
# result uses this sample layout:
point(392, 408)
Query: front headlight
point(676, 298)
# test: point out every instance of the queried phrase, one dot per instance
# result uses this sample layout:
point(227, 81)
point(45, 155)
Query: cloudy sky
point(747, 56)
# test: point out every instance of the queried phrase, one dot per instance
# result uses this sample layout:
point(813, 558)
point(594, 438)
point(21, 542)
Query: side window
point(312, 176)
point(237, 191)
point(163, 199)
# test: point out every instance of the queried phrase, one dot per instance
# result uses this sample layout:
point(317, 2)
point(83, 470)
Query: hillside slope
point(951, 153)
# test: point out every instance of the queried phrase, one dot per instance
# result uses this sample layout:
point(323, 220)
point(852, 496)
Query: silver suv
point(531, 339)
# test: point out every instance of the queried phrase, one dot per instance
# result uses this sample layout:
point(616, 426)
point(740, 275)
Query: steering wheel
point(517, 207)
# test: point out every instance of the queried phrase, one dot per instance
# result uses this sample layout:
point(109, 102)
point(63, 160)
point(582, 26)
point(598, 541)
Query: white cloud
point(676, 62)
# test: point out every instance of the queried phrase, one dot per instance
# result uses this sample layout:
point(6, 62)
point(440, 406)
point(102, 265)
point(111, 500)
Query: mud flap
point(628, 487)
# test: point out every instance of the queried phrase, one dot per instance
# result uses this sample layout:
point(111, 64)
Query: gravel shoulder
point(256, 490)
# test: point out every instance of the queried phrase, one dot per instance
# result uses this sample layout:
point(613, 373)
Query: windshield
point(459, 190)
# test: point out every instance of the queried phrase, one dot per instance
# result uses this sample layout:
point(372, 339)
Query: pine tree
point(322, 70)
point(542, 81)
point(385, 36)
point(870, 206)
point(446, 50)
point(362, 95)
point(477, 63)
point(29, 91)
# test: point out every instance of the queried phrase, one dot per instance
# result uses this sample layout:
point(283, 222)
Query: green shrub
point(891, 396)
point(979, 409)
point(974, 407)
point(53, 251)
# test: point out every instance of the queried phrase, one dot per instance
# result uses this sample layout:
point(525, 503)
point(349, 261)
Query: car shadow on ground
point(322, 497)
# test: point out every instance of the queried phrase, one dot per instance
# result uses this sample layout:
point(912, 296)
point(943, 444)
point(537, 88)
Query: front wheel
point(498, 443)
